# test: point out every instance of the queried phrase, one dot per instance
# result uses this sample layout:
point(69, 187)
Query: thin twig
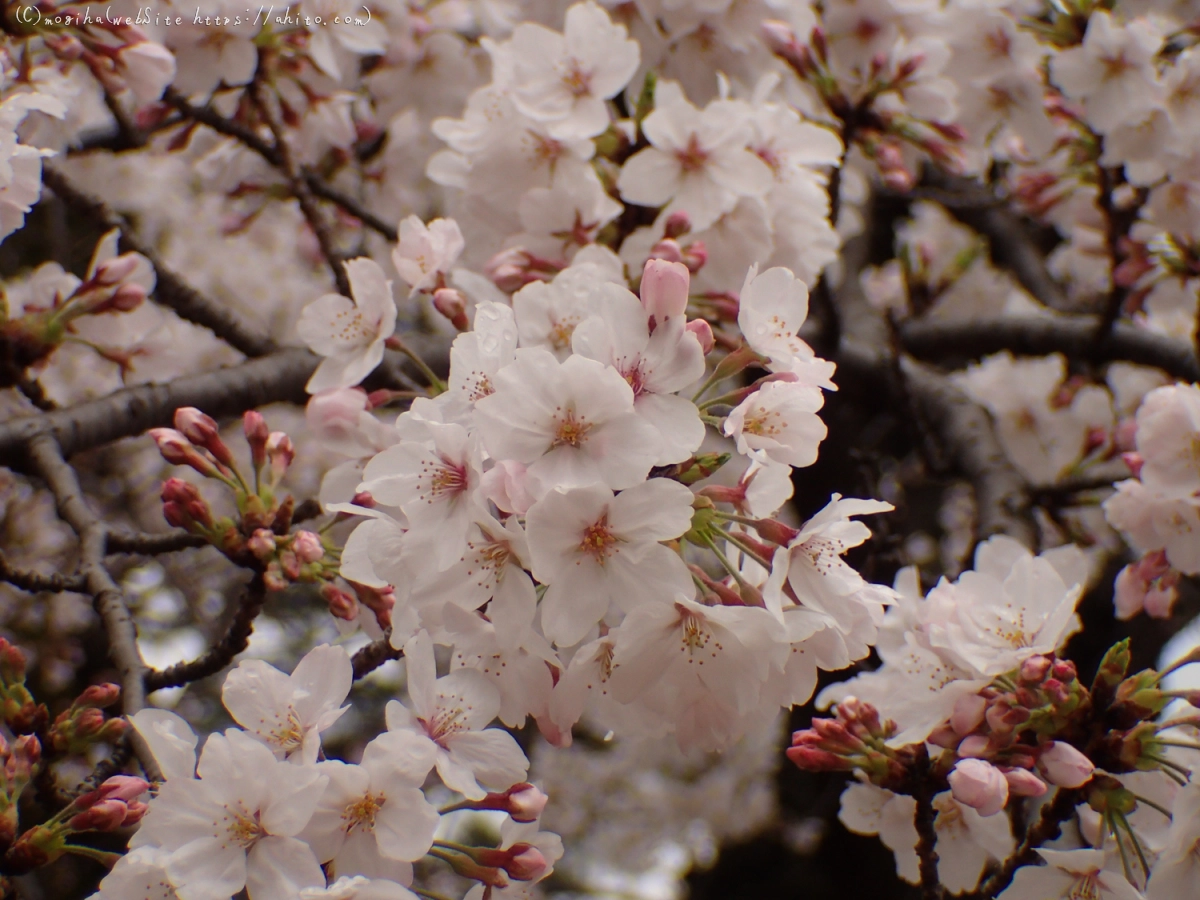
point(300, 189)
point(234, 641)
point(1047, 828)
point(109, 601)
point(170, 289)
point(369, 658)
point(34, 581)
point(925, 818)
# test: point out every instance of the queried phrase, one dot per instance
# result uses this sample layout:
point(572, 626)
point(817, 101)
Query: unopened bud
point(668, 250)
point(695, 255)
point(261, 543)
point(1034, 669)
point(664, 289)
point(281, 453)
point(775, 531)
point(453, 305)
point(968, 713)
point(307, 546)
point(127, 297)
point(704, 334)
point(677, 224)
point(342, 604)
point(1023, 783)
point(526, 863)
point(254, 426)
point(114, 271)
point(980, 785)
point(1065, 766)
point(100, 696)
point(973, 747)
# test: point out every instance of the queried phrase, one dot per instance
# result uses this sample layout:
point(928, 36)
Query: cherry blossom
point(1068, 874)
point(349, 334)
point(426, 252)
point(288, 712)
point(451, 714)
point(597, 550)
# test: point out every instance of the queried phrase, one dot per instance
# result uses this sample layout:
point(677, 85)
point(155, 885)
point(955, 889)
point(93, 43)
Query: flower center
point(695, 637)
point(822, 552)
point(244, 829)
point(447, 719)
point(445, 478)
point(361, 813)
point(289, 734)
point(693, 157)
point(561, 331)
point(1086, 887)
point(570, 431)
point(1115, 66)
point(351, 327)
point(598, 542)
point(577, 80)
point(763, 423)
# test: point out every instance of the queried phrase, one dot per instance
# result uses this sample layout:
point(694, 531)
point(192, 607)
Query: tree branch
point(1073, 336)
point(925, 819)
point(170, 290)
point(34, 581)
point(151, 544)
point(230, 391)
point(369, 658)
point(1009, 242)
point(234, 641)
point(109, 601)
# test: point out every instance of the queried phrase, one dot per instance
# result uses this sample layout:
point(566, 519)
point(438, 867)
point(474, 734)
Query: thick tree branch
point(1073, 336)
point(230, 391)
point(234, 641)
point(170, 289)
point(34, 581)
point(109, 601)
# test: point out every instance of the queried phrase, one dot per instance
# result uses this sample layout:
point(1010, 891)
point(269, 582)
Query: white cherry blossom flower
point(140, 873)
point(235, 825)
point(477, 355)
point(596, 550)
point(1112, 72)
point(548, 313)
point(779, 423)
point(434, 482)
point(359, 888)
point(350, 334)
point(697, 161)
point(563, 80)
point(171, 741)
point(452, 713)
point(1177, 869)
point(425, 252)
point(572, 423)
point(372, 818)
point(655, 365)
point(289, 712)
point(772, 307)
point(1069, 874)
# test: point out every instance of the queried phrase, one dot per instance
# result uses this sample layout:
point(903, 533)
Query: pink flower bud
point(973, 747)
point(128, 297)
point(281, 453)
point(124, 787)
point(668, 250)
point(1023, 783)
point(453, 305)
point(254, 426)
point(1125, 436)
point(980, 785)
point(307, 546)
point(98, 695)
point(775, 531)
point(114, 271)
point(664, 288)
point(261, 543)
point(1034, 669)
point(178, 450)
point(1063, 765)
point(695, 255)
point(704, 334)
point(342, 604)
point(968, 713)
point(526, 863)
point(1134, 461)
point(677, 225)
point(526, 802)
point(107, 815)
point(195, 425)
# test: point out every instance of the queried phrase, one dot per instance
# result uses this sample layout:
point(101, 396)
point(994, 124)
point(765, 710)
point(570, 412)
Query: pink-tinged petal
point(493, 755)
point(278, 867)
